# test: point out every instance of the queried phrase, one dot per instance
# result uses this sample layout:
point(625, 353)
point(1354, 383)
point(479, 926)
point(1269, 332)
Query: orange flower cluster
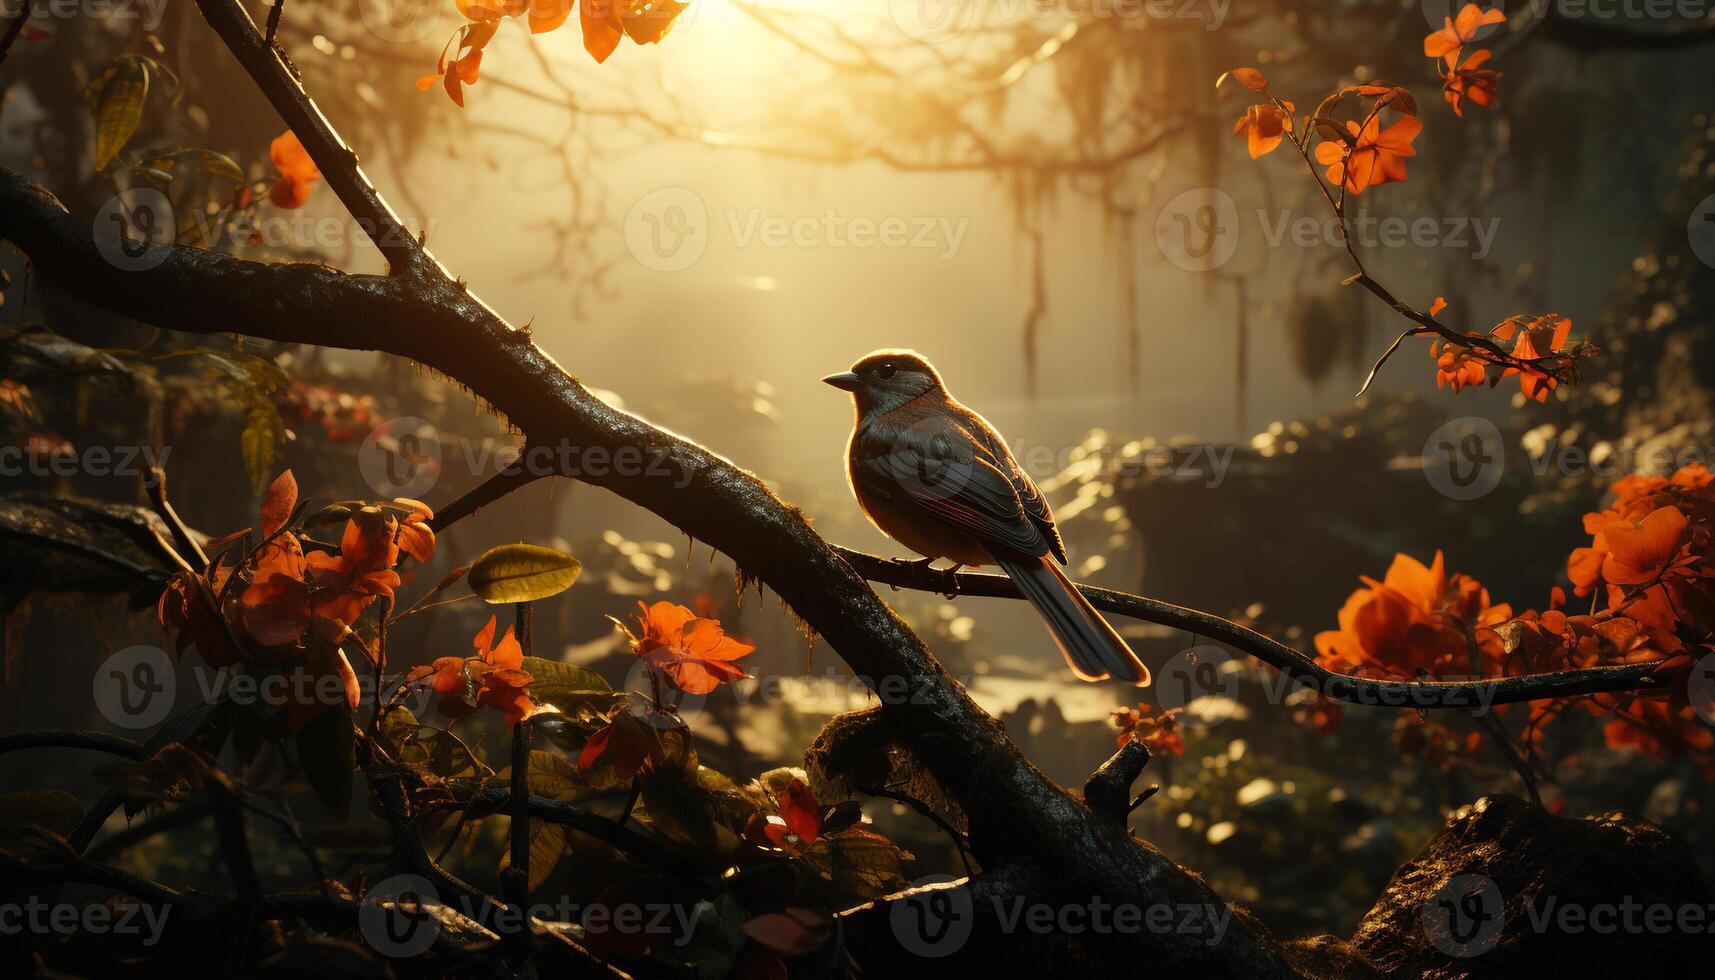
point(343, 417)
point(1370, 155)
point(292, 591)
point(1649, 558)
point(1540, 342)
point(1649, 554)
point(289, 602)
point(1466, 81)
point(1358, 154)
point(283, 593)
point(497, 670)
point(604, 24)
point(1140, 724)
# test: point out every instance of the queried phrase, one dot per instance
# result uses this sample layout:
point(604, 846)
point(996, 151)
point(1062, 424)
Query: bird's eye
point(885, 371)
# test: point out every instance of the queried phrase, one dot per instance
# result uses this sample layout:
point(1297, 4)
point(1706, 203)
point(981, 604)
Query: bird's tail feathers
point(1092, 647)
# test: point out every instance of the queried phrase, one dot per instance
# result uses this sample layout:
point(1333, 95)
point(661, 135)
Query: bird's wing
point(948, 474)
point(1030, 498)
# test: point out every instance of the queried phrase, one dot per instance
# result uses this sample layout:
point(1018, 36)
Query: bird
point(936, 477)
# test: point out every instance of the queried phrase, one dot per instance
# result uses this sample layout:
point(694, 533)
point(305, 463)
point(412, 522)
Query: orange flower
point(1542, 338)
point(1375, 156)
point(1264, 126)
point(500, 667)
point(1640, 553)
point(298, 172)
point(1456, 366)
point(1658, 729)
point(461, 58)
point(1470, 82)
point(606, 21)
point(290, 592)
point(696, 654)
point(1161, 734)
point(448, 673)
point(415, 537)
point(1457, 32)
point(186, 610)
point(800, 820)
point(505, 682)
point(16, 398)
point(627, 744)
point(1416, 619)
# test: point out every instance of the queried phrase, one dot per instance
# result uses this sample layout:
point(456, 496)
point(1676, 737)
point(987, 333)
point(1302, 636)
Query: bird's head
point(887, 379)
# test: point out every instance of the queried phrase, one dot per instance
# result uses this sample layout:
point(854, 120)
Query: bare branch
point(1302, 668)
point(1108, 790)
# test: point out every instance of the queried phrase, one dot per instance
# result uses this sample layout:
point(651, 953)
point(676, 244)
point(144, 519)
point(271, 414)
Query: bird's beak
point(845, 381)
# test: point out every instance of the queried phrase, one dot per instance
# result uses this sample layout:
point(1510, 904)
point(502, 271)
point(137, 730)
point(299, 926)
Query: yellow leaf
point(257, 443)
point(118, 107)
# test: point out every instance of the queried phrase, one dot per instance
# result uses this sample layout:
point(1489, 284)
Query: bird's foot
point(952, 583)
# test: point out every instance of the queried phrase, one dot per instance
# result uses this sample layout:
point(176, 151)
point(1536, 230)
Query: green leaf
point(328, 754)
point(569, 687)
point(522, 573)
point(118, 104)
